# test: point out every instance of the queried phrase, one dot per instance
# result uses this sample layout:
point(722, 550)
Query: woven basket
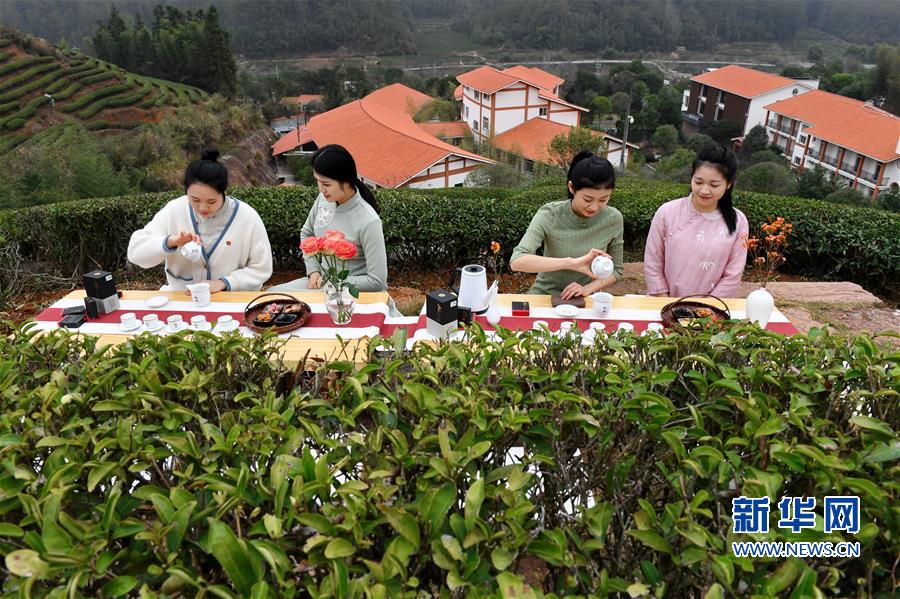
point(254, 308)
point(670, 320)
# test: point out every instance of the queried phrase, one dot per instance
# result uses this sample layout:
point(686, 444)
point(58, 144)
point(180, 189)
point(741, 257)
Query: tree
point(847, 195)
point(815, 54)
point(677, 166)
point(815, 183)
point(723, 131)
point(756, 139)
point(666, 139)
point(602, 106)
point(563, 148)
point(220, 74)
point(438, 109)
point(497, 175)
point(767, 177)
point(620, 102)
point(889, 200)
point(699, 141)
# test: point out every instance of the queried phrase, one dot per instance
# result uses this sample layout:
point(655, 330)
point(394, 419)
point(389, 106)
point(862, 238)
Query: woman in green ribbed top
point(573, 232)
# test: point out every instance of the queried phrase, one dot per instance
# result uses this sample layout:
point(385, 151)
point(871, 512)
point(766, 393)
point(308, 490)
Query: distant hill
point(42, 86)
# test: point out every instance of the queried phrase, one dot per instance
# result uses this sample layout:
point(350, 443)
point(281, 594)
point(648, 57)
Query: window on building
point(474, 124)
point(542, 111)
point(467, 113)
point(795, 91)
point(802, 138)
point(796, 160)
point(701, 107)
point(529, 166)
point(719, 98)
point(458, 185)
point(485, 124)
point(477, 95)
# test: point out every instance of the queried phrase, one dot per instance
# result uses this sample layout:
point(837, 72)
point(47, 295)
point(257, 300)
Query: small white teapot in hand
point(192, 250)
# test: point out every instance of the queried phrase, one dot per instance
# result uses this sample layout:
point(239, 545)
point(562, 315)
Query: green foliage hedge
point(68, 92)
point(4, 108)
point(7, 143)
point(125, 99)
point(98, 77)
point(12, 121)
point(57, 85)
point(26, 75)
point(38, 84)
point(94, 95)
point(442, 228)
point(197, 466)
point(15, 65)
point(86, 73)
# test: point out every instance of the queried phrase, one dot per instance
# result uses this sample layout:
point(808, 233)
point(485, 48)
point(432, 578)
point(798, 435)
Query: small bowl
point(264, 323)
point(285, 319)
point(566, 310)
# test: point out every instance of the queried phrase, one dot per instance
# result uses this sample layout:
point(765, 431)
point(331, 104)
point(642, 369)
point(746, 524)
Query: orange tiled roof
point(744, 82)
point(487, 79)
point(446, 129)
point(535, 76)
point(389, 148)
point(530, 139)
point(457, 93)
point(292, 139)
point(846, 122)
point(554, 98)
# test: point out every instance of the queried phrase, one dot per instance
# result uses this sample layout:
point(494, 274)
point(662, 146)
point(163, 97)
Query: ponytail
point(367, 194)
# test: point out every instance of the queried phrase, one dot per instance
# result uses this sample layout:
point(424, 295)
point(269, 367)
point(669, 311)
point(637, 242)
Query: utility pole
point(628, 120)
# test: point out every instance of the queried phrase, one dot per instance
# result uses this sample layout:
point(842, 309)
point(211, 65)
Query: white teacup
point(654, 328)
point(198, 323)
point(192, 250)
point(129, 320)
point(176, 323)
point(540, 325)
point(226, 323)
point(597, 327)
point(200, 294)
point(602, 266)
point(567, 328)
point(152, 322)
point(625, 327)
point(602, 303)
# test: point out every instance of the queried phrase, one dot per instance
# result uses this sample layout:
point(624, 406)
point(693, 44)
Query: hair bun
point(210, 153)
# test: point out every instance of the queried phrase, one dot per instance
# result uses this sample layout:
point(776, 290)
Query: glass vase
point(340, 305)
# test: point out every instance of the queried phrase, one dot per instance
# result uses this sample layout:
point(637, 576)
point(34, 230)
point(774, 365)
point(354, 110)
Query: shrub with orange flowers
point(767, 250)
point(494, 258)
point(328, 250)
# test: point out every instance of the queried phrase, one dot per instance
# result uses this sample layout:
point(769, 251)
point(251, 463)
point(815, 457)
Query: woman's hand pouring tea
point(183, 237)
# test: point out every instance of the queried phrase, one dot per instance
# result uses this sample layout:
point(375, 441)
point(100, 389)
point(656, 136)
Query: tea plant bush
point(445, 228)
point(517, 467)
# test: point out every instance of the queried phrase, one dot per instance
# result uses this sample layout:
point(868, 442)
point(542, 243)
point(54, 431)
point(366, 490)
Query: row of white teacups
point(175, 323)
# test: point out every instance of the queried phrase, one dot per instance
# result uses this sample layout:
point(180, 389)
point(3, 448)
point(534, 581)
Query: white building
point(493, 101)
point(856, 143)
point(738, 94)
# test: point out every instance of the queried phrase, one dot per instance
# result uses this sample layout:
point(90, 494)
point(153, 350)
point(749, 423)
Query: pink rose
point(326, 246)
point(310, 245)
point(333, 235)
point(344, 250)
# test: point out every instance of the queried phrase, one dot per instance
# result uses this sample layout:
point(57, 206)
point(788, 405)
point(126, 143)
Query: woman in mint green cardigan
point(573, 232)
point(344, 204)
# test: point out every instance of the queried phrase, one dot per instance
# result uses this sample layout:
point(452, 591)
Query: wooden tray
point(667, 314)
point(254, 308)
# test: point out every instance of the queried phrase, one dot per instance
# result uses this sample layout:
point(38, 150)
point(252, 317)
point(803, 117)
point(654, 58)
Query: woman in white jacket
point(236, 252)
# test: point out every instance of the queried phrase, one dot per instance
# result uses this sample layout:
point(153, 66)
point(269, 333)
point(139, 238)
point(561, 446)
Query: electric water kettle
point(472, 292)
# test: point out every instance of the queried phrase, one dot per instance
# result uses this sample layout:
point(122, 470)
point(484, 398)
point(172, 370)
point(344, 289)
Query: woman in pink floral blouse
point(696, 243)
